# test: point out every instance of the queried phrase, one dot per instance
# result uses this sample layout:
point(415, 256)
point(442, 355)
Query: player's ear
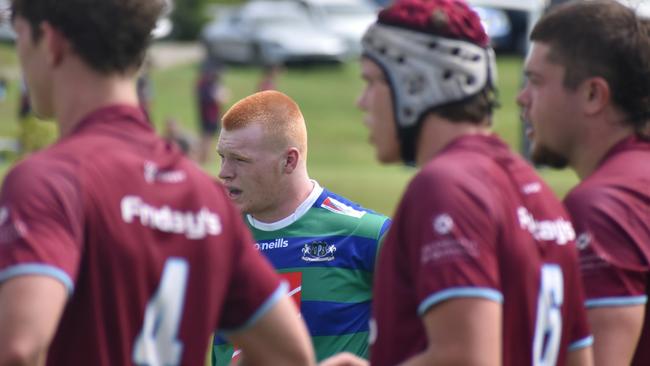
point(596, 94)
point(291, 159)
point(56, 43)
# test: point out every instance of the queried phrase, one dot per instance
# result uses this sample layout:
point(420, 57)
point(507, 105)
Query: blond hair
point(277, 113)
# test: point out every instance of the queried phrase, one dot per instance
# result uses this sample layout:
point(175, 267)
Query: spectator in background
point(471, 272)
point(24, 106)
point(184, 139)
point(588, 101)
point(269, 79)
point(4, 85)
point(114, 248)
point(144, 87)
point(33, 134)
point(323, 244)
point(210, 96)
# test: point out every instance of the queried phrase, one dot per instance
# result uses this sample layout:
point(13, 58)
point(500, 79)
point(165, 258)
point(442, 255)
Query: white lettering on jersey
point(559, 230)
point(531, 188)
point(195, 225)
point(268, 245)
point(152, 174)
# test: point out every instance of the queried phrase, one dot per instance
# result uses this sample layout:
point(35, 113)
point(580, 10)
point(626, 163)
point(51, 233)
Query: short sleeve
point(612, 265)
point(41, 223)
point(254, 287)
point(451, 237)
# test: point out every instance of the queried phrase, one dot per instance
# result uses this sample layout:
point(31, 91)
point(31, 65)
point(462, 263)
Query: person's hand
point(344, 359)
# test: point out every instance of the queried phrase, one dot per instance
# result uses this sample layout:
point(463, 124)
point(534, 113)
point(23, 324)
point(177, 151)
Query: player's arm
point(30, 309)
point(616, 332)
point(344, 359)
point(279, 337)
point(462, 331)
point(581, 357)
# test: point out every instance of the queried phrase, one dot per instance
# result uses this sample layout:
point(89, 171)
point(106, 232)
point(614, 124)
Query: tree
point(188, 17)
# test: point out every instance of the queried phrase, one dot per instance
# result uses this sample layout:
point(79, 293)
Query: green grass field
point(340, 157)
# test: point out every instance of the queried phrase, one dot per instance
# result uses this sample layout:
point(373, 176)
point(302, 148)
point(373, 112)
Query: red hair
point(276, 112)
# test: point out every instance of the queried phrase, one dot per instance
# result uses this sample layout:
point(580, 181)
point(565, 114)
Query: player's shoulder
point(344, 213)
point(455, 173)
point(39, 168)
point(590, 193)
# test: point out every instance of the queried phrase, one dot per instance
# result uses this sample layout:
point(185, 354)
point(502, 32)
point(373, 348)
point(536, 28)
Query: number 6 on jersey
point(156, 345)
point(548, 327)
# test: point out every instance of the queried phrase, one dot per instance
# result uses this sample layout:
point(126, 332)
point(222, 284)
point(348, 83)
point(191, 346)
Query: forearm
point(444, 358)
point(581, 357)
point(616, 333)
point(30, 307)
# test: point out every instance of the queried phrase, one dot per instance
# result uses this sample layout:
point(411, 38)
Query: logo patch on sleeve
point(341, 208)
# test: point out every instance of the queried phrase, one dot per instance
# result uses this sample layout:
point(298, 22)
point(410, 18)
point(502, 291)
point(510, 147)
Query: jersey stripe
point(334, 284)
point(319, 316)
point(616, 301)
point(38, 269)
point(463, 292)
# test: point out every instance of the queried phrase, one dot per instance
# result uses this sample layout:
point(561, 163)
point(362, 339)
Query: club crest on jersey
point(318, 251)
point(10, 230)
point(339, 207)
point(583, 241)
point(443, 224)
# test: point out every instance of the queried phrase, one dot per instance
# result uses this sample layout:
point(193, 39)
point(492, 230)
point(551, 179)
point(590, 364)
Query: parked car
point(6, 29)
point(508, 22)
point(164, 25)
point(348, 19)
point(271, 32)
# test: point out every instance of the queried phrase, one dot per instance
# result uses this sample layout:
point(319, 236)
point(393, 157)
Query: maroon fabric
point(457, 233)
point(209, 108)
point(611, 211)
point(426, 15)
point(110, 206)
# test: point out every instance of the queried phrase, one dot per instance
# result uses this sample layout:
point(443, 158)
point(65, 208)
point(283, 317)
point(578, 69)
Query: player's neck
point(81, 91)
point(589, 154)
point(294, 193)
point(438, 132)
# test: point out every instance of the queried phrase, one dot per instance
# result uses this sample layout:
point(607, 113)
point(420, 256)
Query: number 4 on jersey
point(157, 345)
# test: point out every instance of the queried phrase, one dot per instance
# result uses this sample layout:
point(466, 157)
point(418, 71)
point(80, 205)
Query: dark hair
point(110, 35)
point(605, 39)
point(473, 109)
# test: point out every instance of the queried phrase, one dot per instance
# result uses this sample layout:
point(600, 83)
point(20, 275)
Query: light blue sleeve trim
point(582, 343)
point(440, 296)
point(263, 309)
point(616, 301)
point(38, 269)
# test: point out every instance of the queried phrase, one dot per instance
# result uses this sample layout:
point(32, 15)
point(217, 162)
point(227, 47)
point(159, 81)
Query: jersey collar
point(300, 211)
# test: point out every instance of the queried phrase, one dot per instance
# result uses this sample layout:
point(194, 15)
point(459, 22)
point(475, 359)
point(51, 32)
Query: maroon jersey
point(152, 251)
point(611, 211)
point(477, 222)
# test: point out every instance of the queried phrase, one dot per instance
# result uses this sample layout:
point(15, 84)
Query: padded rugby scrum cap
point(433, 52)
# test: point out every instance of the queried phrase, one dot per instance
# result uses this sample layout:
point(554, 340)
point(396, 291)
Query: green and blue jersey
point(326, 251)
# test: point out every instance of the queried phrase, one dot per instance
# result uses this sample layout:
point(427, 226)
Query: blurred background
point(213, 53)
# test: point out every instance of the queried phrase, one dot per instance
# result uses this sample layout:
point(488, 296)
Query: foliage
point(188, 17)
